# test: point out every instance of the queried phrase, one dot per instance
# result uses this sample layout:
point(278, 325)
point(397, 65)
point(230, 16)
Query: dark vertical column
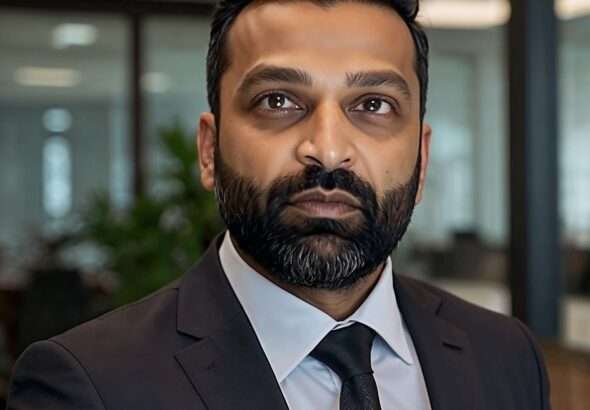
point(535, 270)
point(137, 140)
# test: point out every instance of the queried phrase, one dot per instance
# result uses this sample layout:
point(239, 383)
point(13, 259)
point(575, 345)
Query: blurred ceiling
point(486, 13)
point(176, 49)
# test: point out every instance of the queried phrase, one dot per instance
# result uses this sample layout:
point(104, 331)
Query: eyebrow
point(267, 73)
point(362, 79)
point(387, 78)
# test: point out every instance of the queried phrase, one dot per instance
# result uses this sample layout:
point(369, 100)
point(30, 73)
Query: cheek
point(388, 166)
point(258, 158)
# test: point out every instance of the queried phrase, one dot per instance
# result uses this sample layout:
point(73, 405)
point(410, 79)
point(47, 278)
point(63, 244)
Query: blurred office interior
point(99, 104)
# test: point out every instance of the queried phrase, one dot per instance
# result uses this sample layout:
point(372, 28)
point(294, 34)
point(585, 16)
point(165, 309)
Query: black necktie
point(347, 352)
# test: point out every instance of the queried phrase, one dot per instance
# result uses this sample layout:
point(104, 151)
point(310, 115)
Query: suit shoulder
point(48, 376)
point(502, 346)
point(456, 309)
point(486, 329)
point(152, 317)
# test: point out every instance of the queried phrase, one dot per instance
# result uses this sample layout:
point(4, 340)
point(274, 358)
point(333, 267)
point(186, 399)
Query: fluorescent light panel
point(471, 14)
point(57, 120)
point(47, 77)
point(465, 14)
point(74, 34)
point(570, 9)
point(156, 82)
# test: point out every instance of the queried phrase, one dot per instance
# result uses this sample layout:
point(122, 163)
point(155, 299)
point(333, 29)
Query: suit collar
point(227, 366)
point(227, 352)
point(206, 303)
point(444, 350)
point(287, 342)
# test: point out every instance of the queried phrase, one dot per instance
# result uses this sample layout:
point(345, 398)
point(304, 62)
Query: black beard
point(313, 252)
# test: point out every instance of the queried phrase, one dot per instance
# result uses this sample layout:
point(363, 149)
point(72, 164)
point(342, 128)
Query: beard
point(321, 253)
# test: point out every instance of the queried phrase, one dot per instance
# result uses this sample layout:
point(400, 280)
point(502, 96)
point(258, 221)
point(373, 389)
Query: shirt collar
point(287, 342)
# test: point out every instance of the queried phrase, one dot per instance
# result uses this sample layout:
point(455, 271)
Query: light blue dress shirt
point(289, 328)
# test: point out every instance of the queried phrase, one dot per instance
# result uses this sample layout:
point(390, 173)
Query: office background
point(99, 103)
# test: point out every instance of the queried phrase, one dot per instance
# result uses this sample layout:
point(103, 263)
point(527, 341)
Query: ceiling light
point(570, 9)
point(155, 82)
point(57, 120)
point(47, 77)
point(464, 14)
point(73, 34)
point(469, 14)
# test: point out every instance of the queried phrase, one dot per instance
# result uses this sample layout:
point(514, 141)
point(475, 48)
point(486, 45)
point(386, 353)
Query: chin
point(325, 244)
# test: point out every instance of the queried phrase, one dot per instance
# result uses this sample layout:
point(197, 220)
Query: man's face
point(317, 162)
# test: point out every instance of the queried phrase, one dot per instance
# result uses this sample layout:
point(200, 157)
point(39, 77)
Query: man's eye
point(277, 101)
point(375, 105)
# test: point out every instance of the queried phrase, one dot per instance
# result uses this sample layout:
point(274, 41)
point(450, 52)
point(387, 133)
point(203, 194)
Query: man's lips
point(327, 204)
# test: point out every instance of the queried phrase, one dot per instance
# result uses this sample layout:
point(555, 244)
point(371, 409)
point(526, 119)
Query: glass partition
point(63, 124)
point(174, 83)
point(458, 238)
point(574, 148)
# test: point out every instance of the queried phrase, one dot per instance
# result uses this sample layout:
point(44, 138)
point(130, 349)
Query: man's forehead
point(345, 36)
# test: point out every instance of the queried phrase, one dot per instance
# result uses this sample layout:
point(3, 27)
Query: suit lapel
point(227, 365)
point(444, 350)
point(229, 369)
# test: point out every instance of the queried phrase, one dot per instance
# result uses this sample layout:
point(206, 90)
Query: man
point(317, 152)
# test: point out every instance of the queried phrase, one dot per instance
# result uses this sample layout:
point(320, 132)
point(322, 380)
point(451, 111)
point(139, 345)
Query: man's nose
point(326, 141)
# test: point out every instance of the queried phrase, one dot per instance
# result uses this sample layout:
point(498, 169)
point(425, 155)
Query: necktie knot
point(347, 351)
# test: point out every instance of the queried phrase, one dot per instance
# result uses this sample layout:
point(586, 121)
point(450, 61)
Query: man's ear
point(424, 158)
point(206, 149)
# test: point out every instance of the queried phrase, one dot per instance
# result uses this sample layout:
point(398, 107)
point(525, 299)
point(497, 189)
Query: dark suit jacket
point(190, 346)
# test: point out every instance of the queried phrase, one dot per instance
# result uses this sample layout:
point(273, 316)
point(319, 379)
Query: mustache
point(315, 176)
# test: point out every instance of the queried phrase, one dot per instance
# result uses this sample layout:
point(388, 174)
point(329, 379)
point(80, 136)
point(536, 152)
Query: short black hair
point(227, 11)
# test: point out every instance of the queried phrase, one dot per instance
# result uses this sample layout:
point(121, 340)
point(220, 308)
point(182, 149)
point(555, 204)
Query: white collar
point(288, 328)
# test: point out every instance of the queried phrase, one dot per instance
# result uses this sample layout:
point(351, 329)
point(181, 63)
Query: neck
point(338, 303)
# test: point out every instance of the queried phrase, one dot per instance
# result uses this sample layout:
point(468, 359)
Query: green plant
point(157, 238)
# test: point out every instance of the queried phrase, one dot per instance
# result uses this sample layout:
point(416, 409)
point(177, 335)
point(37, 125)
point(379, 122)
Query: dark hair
point(227, 11)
